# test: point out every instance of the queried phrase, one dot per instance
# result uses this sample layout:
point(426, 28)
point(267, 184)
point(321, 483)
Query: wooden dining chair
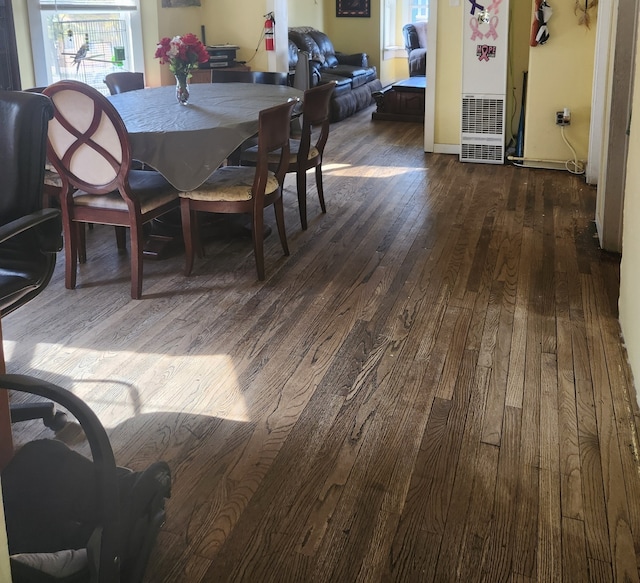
point(124, 81)
point(241, 189)
point(89, 147)
point(306, 152)
point(264, 77)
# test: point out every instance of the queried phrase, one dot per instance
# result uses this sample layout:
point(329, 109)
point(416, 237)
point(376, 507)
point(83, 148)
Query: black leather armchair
point(415, 42)
point(30, 236)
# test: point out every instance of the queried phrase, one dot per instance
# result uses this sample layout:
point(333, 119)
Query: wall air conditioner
point(485, 56)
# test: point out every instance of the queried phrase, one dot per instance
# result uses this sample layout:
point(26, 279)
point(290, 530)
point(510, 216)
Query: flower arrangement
point(183, 53)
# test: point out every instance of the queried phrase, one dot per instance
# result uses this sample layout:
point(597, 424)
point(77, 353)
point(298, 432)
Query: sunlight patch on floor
point(367, 171)
point(142, 383)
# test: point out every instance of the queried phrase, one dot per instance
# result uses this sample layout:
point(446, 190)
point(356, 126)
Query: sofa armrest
point(356, 59)
point(418, 62)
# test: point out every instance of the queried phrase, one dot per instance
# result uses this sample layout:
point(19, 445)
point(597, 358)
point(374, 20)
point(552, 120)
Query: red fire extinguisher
point(269, 32)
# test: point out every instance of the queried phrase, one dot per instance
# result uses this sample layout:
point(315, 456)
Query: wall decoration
point(583, 11)
point(179, 3)
point(485, 52)
point(360, 8)
point(474, 6)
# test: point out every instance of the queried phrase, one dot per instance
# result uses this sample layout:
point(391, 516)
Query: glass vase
point(182, 88)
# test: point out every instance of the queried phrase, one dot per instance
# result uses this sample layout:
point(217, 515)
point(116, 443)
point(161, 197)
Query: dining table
point(187, 143)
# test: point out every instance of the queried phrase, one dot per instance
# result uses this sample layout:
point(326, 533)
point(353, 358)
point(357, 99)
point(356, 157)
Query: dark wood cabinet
point(9, 71)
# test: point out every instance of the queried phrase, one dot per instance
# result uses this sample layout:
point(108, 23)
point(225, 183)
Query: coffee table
point(401, 101)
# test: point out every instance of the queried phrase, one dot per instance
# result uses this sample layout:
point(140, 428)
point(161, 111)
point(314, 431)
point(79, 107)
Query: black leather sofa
point(355, 79)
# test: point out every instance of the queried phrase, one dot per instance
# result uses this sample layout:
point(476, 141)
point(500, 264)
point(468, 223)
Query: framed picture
point(179, 3)
point(360, 8)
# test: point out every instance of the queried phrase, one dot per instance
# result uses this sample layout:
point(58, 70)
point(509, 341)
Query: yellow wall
point(221, 19)
point(629, 272)
point(355, 35)
point(519, 29)
point(170, 22)
point(449, 79)
point(306, 13)
point(23, 40)
point(560, 75)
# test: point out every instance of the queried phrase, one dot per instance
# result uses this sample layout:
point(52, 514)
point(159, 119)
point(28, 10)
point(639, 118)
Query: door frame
point(430, 89)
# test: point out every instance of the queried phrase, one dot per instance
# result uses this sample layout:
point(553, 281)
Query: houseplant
point(182, 53)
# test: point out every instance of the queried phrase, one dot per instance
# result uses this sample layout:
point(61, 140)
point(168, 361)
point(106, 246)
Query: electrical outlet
point(563, 118)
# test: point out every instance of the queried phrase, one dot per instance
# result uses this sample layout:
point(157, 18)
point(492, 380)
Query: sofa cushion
point(355, 59)
point(349, 103)
point(293, 54)
point(358, 75)
point(343, 84)
point(305, 42)
point(324, 44)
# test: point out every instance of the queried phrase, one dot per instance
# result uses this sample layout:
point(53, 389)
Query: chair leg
point(320, 189)
point(82, 242)
point(70, 253)
point(278, 207)
point(301, 181)
point(121, 238)
point(188, 218)
point(258, 241)
point(137, 247)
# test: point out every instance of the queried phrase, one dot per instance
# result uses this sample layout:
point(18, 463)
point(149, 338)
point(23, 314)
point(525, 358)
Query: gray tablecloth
point(187, 143)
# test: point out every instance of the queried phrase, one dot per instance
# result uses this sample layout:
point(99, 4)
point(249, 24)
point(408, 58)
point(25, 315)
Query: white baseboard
point(447, 149)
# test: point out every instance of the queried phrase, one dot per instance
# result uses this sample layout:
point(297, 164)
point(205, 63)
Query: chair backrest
point(274, 128)
point(415, 36)
point(23, 134)
point(28, 258)
point(124, 81)
point(88, 143)
point(315, 113)
point(264, 77)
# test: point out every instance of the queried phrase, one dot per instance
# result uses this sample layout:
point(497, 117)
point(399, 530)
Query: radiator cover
point(483, 136)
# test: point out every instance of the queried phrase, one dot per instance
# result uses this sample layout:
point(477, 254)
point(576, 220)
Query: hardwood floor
point(432, 387)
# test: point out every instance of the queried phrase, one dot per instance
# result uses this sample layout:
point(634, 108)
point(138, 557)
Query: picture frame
point(179, 3)
point(353, 8)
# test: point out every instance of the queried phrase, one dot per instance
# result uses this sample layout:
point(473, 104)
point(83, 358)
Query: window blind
point(88, 5)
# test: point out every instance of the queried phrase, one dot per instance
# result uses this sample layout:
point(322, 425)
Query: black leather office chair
point(75, 519)
point(30, 236)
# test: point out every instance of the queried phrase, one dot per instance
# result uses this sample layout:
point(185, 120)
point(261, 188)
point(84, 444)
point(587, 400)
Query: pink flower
point(182, 53)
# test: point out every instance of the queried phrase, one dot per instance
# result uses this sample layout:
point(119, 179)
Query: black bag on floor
point(73, 520)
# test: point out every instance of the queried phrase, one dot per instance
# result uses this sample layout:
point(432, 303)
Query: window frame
point(38, 10)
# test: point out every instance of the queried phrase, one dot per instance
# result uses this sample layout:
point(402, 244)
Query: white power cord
point(574, 166)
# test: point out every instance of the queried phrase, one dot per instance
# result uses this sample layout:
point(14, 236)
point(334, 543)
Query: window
point(418, 11)
point(397, 13)
point(84, 40)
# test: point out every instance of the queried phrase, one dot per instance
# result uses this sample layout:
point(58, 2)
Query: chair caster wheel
point(57, 422)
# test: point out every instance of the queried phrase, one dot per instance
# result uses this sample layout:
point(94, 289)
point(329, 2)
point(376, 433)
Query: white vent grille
point(482, 125)
point(482, 153)
point(482, 115)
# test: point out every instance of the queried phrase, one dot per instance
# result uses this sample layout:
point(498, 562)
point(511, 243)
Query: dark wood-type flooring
point(432, 387)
